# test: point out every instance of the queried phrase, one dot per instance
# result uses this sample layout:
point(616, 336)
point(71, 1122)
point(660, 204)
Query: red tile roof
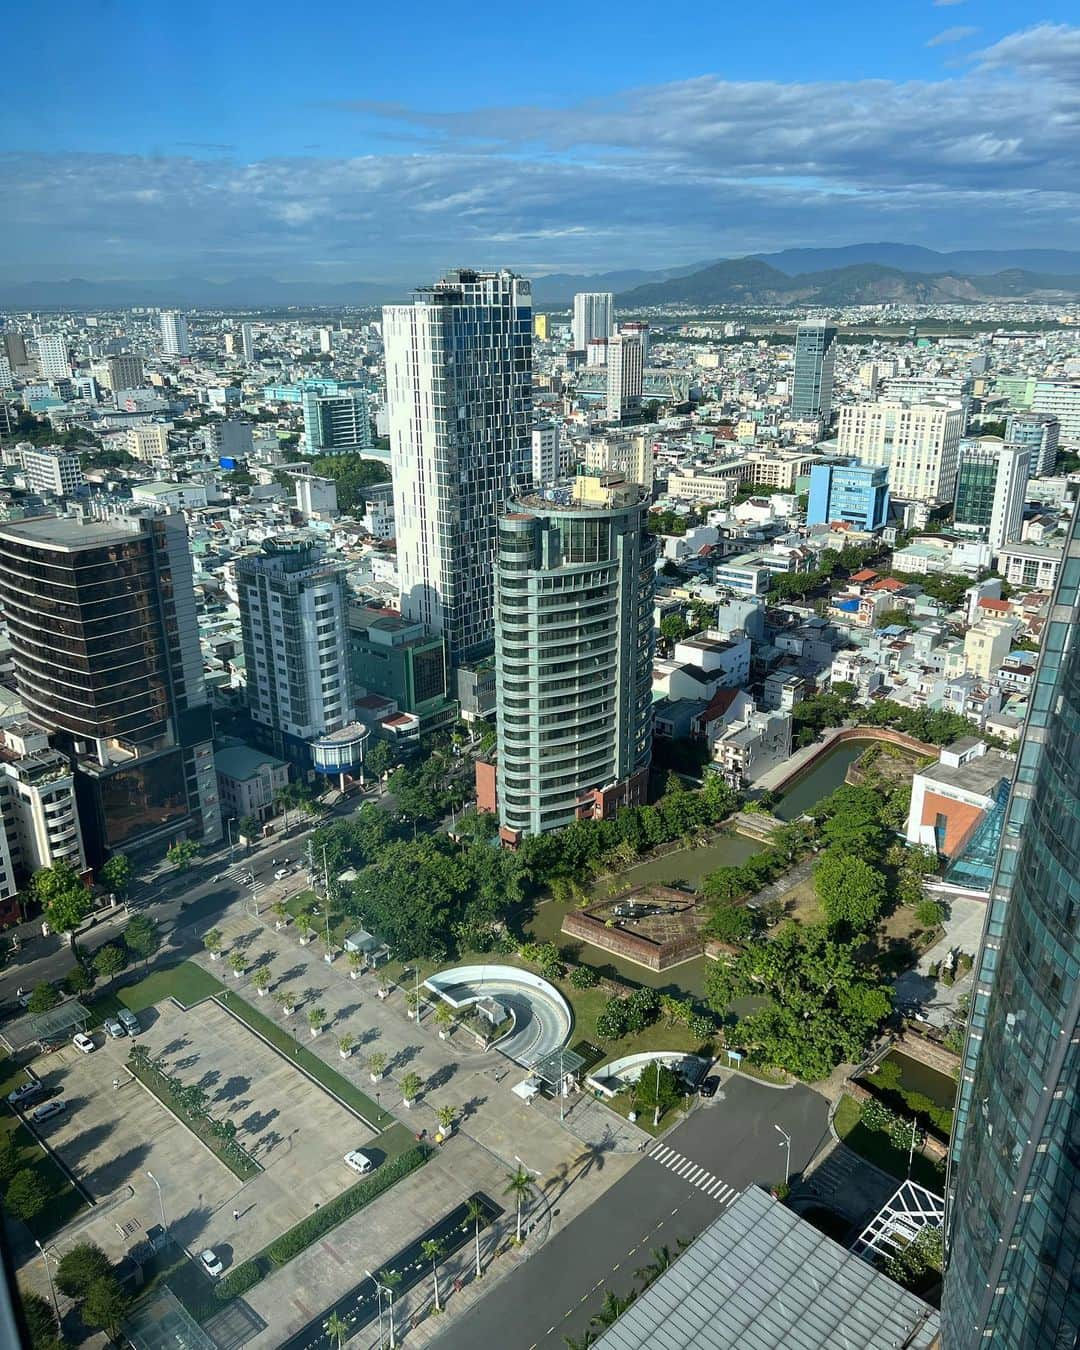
point(866, 574)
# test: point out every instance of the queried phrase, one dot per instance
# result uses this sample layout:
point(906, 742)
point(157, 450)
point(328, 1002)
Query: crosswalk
point(687, 1170)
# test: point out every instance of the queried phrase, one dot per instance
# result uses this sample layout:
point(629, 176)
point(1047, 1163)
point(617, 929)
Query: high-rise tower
point(459, 397)
point(1013, 1193)
point(812, 380)
point(625, 377)
point(594, 317)
point(174, 333)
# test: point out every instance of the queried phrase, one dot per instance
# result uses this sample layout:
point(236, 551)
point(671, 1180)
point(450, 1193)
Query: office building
point(37, 802)
point(1041, 432)
point(247, 342)
point(917, 442)
point(326, 340)
point(7, 378)
point(459, 400)
point(293, 617)
point(394, 658)
point(105, 642)
point(249, 781)
point(857, 494)
point(174, 334)
point(149, 444)
point(228, 438)
point(991, 482)
point(1060, 399)
point(546, 453)
point(638, 328)
point(1013, 1190)
point(596, 352)
point(336, 423)
point(15, 349)
point(625, 377)
point(540, 327)
point(573, 657)
point(48, 469)
point(54, 359)
point(812, 378)
point(628, 453)
point(124, 371)
point(315, 496)
point(594, 317)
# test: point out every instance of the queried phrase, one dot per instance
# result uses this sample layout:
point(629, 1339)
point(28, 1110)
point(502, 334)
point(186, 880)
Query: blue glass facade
point(1013, 1193)
point(855, 493)
point(812, 377)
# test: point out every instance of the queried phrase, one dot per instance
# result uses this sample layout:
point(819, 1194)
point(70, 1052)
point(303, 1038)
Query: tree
point(43, 997)
point(658, 1087)
point(444, 1016)
point(379, 758)
point(27, 1195)
point(141, 937)
point(261, 979)
point(446, 1115)
point(109, 961)
point(519, 1184)
point(237, 964)
point(117, 874)
point(410, 1086)
point(345, 1044)
point(316, 1020)
point(376, 1064)
point(852, 893)
point(9, 1157)
point(930, 913)
point(78, 980)
point(105, 1305)
point(853, 820)
point(40, 1318)
point(673, 627)
point(731, 923)
point(182, 854)
point(476, 1212)
point(80, 1267)
point(433, 1252)
point(247, 827)
point(62, 896)
point(337, 1330)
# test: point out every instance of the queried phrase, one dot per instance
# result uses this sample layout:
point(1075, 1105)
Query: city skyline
point(960, 131)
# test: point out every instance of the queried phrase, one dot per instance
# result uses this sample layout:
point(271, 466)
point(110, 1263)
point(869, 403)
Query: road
point(677, 1189)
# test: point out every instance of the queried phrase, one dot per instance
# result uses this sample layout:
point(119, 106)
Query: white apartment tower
point(594, 317)
point(247, 340)
point(917, 442)
point(53, 358)
point(625, 377)
point(546, 453)
point(459, 405)
point(174, 333)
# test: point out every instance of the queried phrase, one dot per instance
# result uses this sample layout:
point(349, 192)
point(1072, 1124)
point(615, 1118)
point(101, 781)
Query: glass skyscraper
point(1013, 1192)
point(812, 381)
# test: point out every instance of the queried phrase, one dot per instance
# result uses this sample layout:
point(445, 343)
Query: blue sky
point(384, 142)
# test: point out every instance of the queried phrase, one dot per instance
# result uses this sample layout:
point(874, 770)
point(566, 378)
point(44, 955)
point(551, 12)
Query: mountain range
point(854, 274)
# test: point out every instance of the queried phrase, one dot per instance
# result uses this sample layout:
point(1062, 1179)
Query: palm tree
point(520, 1186)
point(280, 913)
point(261, 980)
point(476, 1212)
point(433, 1252)
point(284, 798)
point(444, 1018)
point(376, 1065)
point(410, 1086)
point(613, 1308)
point(316, 1020)
point(661, 1259)
point(336, 1329)
point(237, 964)
point(587, 1339)
point(305, 928)
point(212, 942)
point(356, 964)
point(345, 1045)
point(285, 1001)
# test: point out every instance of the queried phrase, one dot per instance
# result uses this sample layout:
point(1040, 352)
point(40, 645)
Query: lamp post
point(786, 1144)
point(228, 827)
point(52, 1289)
point(161, 1200)
point(384, 1289)
point(656, 1108)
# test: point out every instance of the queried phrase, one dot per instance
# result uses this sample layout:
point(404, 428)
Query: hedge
point(292, 1242)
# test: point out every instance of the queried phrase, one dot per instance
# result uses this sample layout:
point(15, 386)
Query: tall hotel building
point(105, 642)
point(573, 656)
point(919, 444)
point(459, 398)
point(594, 317)
point(174, 334)
point(1013, 1192)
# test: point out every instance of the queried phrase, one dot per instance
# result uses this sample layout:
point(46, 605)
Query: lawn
point(186, 982)
point(623, 1104)
point(341, 924)
point(65, 1201)
point(876, 1147)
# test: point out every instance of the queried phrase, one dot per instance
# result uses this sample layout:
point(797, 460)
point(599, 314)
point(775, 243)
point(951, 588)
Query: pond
point(824, 777)
point(918, 1077)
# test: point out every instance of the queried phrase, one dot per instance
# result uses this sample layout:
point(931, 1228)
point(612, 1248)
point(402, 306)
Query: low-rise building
point(950, 798)
point(1030, 564)
point(173, 496)
point(248, 780)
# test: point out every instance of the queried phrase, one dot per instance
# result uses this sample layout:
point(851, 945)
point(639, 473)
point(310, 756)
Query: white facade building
point(247, 342)
point(917, 442)
point(594, 317)
point(37, 800)
point(546, 453)
point(53, 359)
point(1060, 399)
point(51, 470)
point(149, 444)
point(625, 377)
point(459, 400)
point(174, 333)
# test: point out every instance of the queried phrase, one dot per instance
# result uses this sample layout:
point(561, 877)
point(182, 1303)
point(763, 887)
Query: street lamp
point(161, 1200)
point(228, 827)
point(656, 1108)
point(52, 1290)
point(384, 1289)
point(786, 1144)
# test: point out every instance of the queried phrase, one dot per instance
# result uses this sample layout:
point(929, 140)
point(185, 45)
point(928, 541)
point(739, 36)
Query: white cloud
point(947, 35)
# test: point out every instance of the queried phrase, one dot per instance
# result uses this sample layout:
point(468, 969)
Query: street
point(684, 1182)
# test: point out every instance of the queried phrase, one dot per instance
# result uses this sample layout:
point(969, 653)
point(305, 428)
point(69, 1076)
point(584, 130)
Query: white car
point(282, 873)
point(359, 1162)
point(46, 1112)
point(83, 1043)
point(210, 1261)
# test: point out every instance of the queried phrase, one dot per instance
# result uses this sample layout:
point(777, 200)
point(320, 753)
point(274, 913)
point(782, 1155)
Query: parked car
point(130, 1022)
point(46, 1112)
point(210, 1261)
point(27, 1093)
point(282, 873)
point(708, 1086)
point(359, 1162)
point(114, 1028)
point(83, 1043)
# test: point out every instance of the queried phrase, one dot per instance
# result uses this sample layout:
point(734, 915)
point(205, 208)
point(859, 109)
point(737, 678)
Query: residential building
point(315, 496)
point(336, 423)
point(747, 574)
point(812, 378)
point(742, 752)
point(105, 642)
point(228, 438)
point(248, 781)
point(174, 333)
point(1041, 432)
point(15, 349)
point(625, 377)
point(54, 359)
point(573, 655)
point(596, 352)
point(638, 328)
point(459, 399)
point(37, 801)
point(326, 340)
point(1060, 399)
point(293, 616)
point(171, 496)
point(52, 471)
point(594, 317)
point(1012, 1243)
point(540, 327)
point(149, 443)
point(124, 371)
point(7, 378)
point(247, 342)
point(917, 442)
point(1035, 566)
point(394, 658)
point(991, 484)
point(857, 494)
point(628, 453)
point(987, 644)
point(546, 453)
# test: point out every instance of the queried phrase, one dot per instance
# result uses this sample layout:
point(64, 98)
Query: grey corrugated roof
point(761, 1278)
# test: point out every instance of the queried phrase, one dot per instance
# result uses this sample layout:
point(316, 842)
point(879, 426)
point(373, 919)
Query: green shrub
point(584, 977)
point(246, 1276)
